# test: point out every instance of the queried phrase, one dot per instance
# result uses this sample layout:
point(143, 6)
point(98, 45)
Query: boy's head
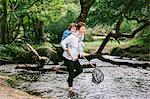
point(81, 27)
point(73, 27)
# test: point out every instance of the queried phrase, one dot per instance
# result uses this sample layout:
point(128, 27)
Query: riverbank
point(129, 48)
point(12, 53)
point(7, 92)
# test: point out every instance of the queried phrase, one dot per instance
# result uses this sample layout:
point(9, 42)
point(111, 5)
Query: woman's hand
point(69, 52)
point(81, 54)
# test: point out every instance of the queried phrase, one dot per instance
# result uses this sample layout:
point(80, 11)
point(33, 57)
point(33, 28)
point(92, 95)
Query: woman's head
point(81, 27)
point(73, 27)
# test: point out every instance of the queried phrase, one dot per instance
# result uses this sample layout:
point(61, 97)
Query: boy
point(72, 29)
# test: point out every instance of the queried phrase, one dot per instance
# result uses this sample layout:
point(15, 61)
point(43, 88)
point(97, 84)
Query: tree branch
point(33, 3)
point(16, 33)
point(132, 34)
point(16, 24)
point(104, 43)
point(133, 18)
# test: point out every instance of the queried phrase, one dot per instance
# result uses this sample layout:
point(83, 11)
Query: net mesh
point(97, 76)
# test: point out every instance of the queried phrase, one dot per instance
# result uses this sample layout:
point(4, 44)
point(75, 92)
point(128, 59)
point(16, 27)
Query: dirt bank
point(7, 92)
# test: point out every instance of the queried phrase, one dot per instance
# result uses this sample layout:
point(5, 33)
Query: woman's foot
point(70, 89)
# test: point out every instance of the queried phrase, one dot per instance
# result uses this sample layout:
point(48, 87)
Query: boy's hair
point(71, 25)
point(80, 24)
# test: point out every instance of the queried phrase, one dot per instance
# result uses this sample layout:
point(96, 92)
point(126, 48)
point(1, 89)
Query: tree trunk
point(38, 29)
point(85, 7)
point(104, 43)
point(4, 34)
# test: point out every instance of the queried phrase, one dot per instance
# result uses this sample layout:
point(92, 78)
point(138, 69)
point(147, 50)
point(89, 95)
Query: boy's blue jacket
point(66, 33)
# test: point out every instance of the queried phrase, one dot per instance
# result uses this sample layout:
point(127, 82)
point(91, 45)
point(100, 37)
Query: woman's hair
point(71, 25)
point(80, 24)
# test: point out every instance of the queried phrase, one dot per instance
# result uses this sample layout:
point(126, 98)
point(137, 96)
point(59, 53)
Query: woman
point(75, 40)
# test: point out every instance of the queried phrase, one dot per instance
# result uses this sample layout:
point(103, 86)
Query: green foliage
point(11, 81)
point(89, 35)
point(55, 29)
point(145, 37)
point(108, 11)
point(46, 10)
point(139, 47)
point(105, 12)
point(9, 51)
point(142, 38)
point(116, 51)
point(56, 15)
point(127, 26)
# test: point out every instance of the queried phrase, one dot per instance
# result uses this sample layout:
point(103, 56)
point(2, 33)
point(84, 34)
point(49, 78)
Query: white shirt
point(75, 43)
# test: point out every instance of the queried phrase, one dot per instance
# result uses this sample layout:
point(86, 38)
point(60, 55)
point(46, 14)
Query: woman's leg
point(78, 68)
point(70, 68)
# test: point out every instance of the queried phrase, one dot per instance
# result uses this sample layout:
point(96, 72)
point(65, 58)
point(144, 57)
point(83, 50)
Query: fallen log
point(114, 62)
point(2, 62)
point(39, 59)
point(57, 68)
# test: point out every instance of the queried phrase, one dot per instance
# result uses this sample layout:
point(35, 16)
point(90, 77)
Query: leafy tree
point(29, 15)
point(112, 11)
point(69, 14)
point(108, 11)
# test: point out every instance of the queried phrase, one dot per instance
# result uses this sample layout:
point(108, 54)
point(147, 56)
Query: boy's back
point(66, 33)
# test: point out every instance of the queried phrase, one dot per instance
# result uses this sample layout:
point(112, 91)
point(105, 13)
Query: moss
point(10, 51)
point(24, 57)
point(117, 51)
point(138, 51)
point(34, 93)
point(19, 53)
point(11, 81)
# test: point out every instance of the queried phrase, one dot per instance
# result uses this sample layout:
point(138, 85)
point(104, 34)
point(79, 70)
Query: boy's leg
point(70, 68)
point(78, 68)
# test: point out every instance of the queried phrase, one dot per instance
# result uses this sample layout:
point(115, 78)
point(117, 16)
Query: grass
point(11, 81)
point(92, 47)
point(43, 45)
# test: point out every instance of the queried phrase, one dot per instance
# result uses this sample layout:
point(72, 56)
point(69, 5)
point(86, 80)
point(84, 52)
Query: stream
point(120, 82)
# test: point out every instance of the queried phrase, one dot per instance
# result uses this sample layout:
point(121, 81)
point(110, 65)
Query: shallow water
point(120, 82)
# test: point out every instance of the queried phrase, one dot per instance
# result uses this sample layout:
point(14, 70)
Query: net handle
point(89, 62)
